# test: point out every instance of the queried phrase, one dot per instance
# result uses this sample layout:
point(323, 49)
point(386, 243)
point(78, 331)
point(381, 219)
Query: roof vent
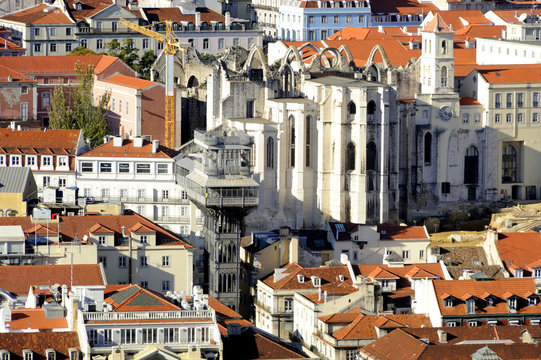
point(138, 141)
point(341, 277)
point(300, 278)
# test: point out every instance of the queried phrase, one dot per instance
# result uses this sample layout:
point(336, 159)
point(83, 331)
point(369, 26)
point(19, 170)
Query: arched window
point(371, 108)
point(444, 47)
point(307, 138)
point(350, 156)
point(292, 141)
point(471, 165)
point(352, 108)
point(371, 156)
point(270, 152)
point(509, 164)
point(193, 82)
point(428, 148)
point(444, 76)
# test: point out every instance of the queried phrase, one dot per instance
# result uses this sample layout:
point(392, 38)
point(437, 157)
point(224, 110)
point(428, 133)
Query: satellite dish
point(522, 17)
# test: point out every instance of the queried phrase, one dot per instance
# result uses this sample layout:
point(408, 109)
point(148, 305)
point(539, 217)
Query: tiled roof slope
point(39, 342)
point(22, 319)
point(398, 345)
point(176, 15)
point(55, 65)
point(455, 335)
point(75, 227)
point(130, 81)
point(18, 279)
point(519, 250)
point(499, 289)
point(136, 298)
point(127, 150)
point(12, 76)
point(437, 25)
point(40, 14)
point(394, 232)
point(37, 141)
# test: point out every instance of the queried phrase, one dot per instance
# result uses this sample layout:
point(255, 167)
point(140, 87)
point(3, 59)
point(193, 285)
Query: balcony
point(149, 315)
point(143, 199)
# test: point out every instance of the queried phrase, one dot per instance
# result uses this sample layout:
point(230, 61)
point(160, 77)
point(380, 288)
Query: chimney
point(344, 258)
point(227, 19)
point(380, 29)
point(64, 295)
point(138, 141)
point(12, 125)
point(155, 145)
point(197, 19)
point(442, 336)
point(118, 141)
point(123, 231)
point(19, 128)
point(319, 294)
point(325, 296)
point(105, 139)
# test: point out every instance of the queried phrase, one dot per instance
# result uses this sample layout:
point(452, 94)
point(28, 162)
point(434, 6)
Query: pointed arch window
point(471, 165)
point(292, 141)
point(444, 47)
point(352, 108)
point(428, 148)
point(371, 156)
point(509, 164)
point(270, 152)
point(308, 138)
point(350, 156)
point(444, 76)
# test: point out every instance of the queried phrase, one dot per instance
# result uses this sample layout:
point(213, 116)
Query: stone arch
point(293, 51)
point(192, 82)
point(371, 156)
point(471, 165)
point(347, 53)
point(287, 80)
point(329, 63)
point(256, 55)
point(350, 156)
point(375, 49)
point(373, 72)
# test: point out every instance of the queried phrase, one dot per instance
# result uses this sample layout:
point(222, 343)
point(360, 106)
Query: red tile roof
point(72, 227)
point(458, 19)
point(401, 6)
point(56, 65)
point(8, 75)
point(130, 81)
point(22, 319)
point(37, 141)
point(512, 74)
point(514, 15)
point(128, 150)
point(469, 101)
point(500, 289)
point(136, 298)
point(18, 279)
point(39, 342)
point(398, 345)
point(394, 232)
point(176, 15)
point(437, 25)
point(40, 14)
point(520, 250)
point(355, 33)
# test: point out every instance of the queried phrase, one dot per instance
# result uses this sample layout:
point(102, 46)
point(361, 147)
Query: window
point(28, 354)
point(512, 302)
point(450, 324)
point(160, 46)
point(205, 43)
point(221, 43)
point(103, 261)
point(145, 43)
point(537, 273)
point(349, 19)
point(350, 157)
point(30, 160)
point(101, 240)
point(99, 44)
point(46, 181)
point(165, 212)
point(184, 195)
point(24, 89)
point(171, 336)
point(144, 261)
point(46, 161)
point(123, 167)
point(292, 141)
point(471, 165)
point(532, 301)
point(5, 355)
point(509, 118)
point(165, 194)
point(122, 261)
point(470, 305)
point(535, 117)
point(127, 107)
point(140, 193)
point(144, 239)
point(37, 48)
point(15, 160)
point(324, 34)
point(53, 31)
point(498, 100)
point(421, 254)
point(113, 104)
point(324, 19)
point(288, 304)
point(144, 284)
point(62, 182)
point(509, 164)
point(465, 118)
point(36, 31)
point(535, 99)
point(165, 260)
point(443, 76)
point(428, 148)
point(497, 118)
point(361, 19)
point(308, 139)
point(127, 336)
point(270, 152)
point(119, 106)
point(520, 100)
point(509, 100)
point(166, 285)
point(236, 42)
point(87, 167)
point(68, 31)
point(163, 168)
point(142, 168)
point(405, 254)
point(105, 193)
point(336, 19)
point(520, 117)
point(24, 111)
point(84, 43)
point(311, 20)
point(352, 354)
point(105, 167)
point(52, 47)
point(371, 156)
point(472, 323)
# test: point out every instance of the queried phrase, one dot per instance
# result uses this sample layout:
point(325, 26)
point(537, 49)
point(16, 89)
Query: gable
point(114, 12)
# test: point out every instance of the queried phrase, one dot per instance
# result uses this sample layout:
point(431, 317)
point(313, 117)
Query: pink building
point(136, 107)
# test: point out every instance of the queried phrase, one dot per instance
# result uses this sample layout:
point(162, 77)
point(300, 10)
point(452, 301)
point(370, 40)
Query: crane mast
point(172, 44)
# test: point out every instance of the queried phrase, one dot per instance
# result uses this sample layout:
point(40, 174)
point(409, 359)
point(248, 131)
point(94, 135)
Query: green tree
point(125, 51)
point(145, 64)
point(83, 113)
point(81, 50)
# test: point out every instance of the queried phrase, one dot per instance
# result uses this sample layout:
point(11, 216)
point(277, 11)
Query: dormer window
point(512, 303)
point(15, 160)
point(490, 301)
point(144, 239)
point(518, 273)
point(73, 353)
point(300, 278)
point(51, 354)
point(28, 354)
point(78, 6)
point(448, 302)
point(532, 300)
point(470, 305)
point(4, 354)
point(316, 281)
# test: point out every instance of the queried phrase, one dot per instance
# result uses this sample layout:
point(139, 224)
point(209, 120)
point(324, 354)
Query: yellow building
point(17, 186)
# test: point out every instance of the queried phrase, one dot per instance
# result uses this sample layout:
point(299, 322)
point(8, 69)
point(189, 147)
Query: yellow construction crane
point(172, 44)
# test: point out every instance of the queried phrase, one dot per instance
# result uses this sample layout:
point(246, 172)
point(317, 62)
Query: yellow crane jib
point(172, 44)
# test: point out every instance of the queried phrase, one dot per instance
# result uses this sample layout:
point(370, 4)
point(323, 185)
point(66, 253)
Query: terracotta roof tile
point(394, 232)
point(401, 6)
point(387, 347)
point(379, 273)
point(130, 81)
point(30, 141)
point(39, 342)
point(18, 279)
point(176, 15)
point(469, 101)
point(128, 150)
point(54, 65)
point(136, 298)
point(457, 19)
point(40, 14)
point(100, 229)
point(437, 25)
point(22, 319)
point(520, 249)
